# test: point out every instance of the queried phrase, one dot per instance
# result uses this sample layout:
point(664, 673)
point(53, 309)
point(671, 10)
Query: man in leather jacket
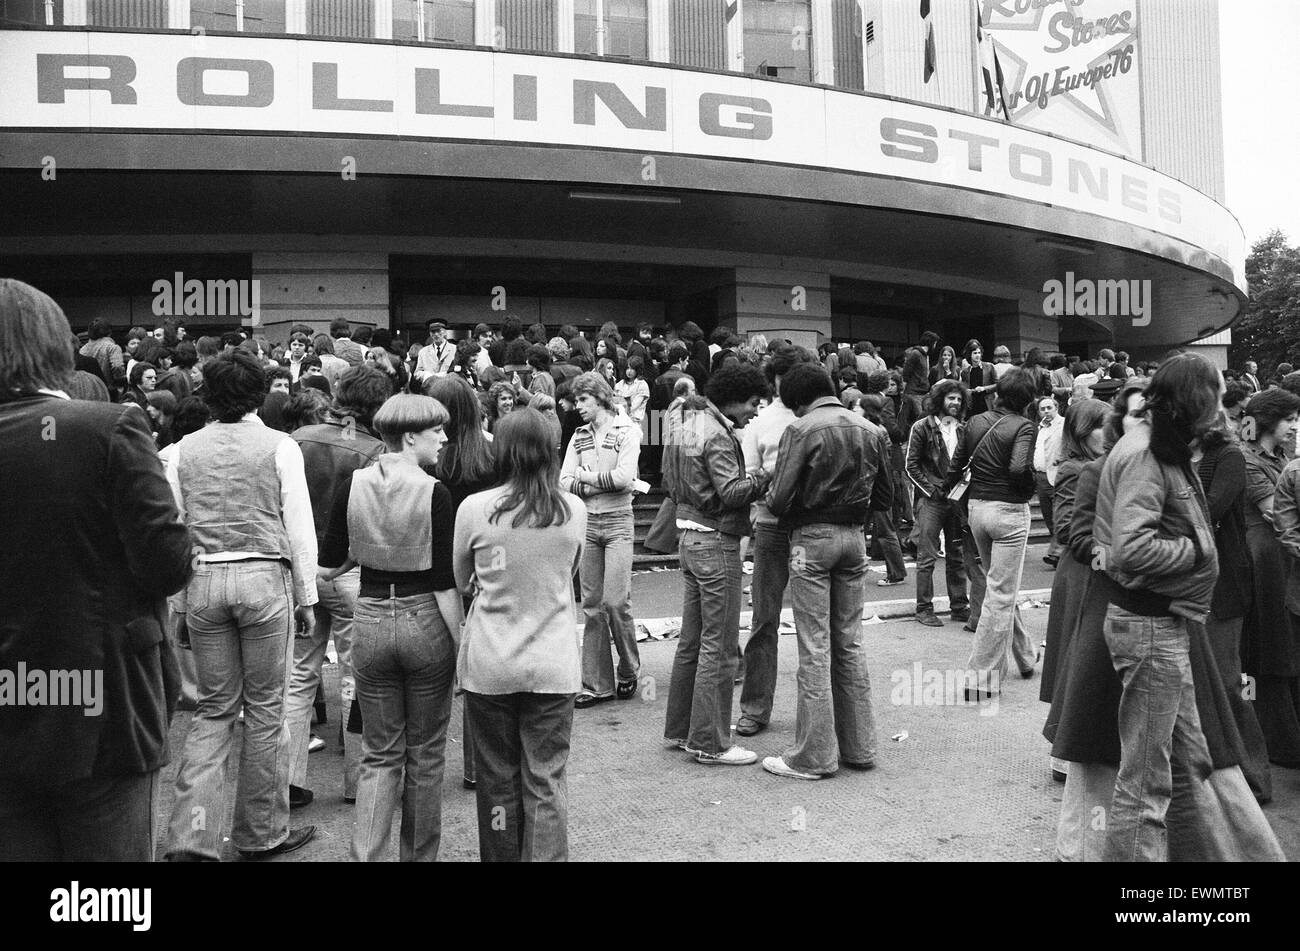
point(831, 471)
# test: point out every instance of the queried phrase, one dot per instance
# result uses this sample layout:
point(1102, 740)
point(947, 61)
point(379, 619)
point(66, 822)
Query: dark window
point(778, 39)
point(145, 14)
point(351, 18)
point(32, 12)
point(846, 24)
point(526, 24)
point(699, 34)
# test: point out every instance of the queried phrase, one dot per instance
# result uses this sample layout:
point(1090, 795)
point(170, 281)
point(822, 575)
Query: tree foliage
point(1268, 330)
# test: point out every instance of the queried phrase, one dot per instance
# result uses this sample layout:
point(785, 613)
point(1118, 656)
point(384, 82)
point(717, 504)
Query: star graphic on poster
point(1024, 42)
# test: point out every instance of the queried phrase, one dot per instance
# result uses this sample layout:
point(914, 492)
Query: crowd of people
point(433, 511)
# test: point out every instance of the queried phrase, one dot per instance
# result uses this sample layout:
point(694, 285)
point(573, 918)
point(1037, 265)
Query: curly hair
point(494, 394)
point(939, 394)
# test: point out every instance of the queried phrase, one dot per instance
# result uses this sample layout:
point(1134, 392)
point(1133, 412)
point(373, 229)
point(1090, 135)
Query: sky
point(1261, 114)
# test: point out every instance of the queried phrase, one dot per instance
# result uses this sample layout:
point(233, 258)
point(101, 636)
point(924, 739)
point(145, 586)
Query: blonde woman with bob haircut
point(396, 521)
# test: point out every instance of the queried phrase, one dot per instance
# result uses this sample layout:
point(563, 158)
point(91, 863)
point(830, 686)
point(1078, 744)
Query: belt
point(238, 561)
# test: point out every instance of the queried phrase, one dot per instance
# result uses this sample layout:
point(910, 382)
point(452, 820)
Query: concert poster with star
point(1072, 67)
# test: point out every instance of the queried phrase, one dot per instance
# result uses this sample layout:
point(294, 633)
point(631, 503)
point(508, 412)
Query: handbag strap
point(980, 445)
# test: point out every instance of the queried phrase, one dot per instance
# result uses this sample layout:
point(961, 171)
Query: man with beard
point(930, 448)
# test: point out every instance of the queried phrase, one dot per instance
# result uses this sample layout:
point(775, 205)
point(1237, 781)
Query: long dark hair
point(528, 466)
point(466, 459)
point(1082, 419)
point(1182, 404)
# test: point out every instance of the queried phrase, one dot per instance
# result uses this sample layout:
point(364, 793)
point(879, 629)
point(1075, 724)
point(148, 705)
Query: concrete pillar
point(736, 36)
point(779, 304)
point(315, 287)
point(295, 16)
point(1025, 329)
point(823, 42)
point(658, 30)
point(485, 23)
point(564, 26)
point(383, 19)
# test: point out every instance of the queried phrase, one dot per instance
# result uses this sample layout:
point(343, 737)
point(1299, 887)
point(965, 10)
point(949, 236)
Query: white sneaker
point(779, 767)
point(736, 756)
point(315, 743)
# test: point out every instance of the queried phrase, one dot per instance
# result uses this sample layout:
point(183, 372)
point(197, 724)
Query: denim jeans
point(1000, 531)
point(521, 757)
point(1165, 780)
point(239, 619)
point(833, 720)
point(704, 667)
point(606, 573)
point(932, 517)
point(1044, 490)
point(405, 662)
point(771, 548)
point(1085, 805)
point(884, 533)
point(338, 601)
point(970, 556)
point(108, 819)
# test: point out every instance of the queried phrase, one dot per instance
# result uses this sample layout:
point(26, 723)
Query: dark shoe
point(961, 614)
point(889, 583)
point(299, 797)
point(625, 690)
point(1051, 560)
point(189, 857)
point(974, 695)
point(297, 839)
point(585, 700)
point(970, 627)
point(1027, 674)
point(928, 619)
point(469, 783)
point(861, 767)
point(748, 726)
point(350, 800)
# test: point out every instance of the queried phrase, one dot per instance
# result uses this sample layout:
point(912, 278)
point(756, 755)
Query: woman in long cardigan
point(1223, 476)
point(1270, 649)
point(465, 466)
point(1082, 440)
point(1083, 721)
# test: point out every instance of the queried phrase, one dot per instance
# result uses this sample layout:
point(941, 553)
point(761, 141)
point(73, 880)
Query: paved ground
point(954, 782)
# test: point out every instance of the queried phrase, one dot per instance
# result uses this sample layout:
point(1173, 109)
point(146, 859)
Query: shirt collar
point(824, 401)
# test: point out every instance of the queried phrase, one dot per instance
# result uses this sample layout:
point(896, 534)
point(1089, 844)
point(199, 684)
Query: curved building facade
point(780, 167)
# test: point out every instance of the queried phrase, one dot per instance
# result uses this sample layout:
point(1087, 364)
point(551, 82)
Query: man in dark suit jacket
point(92, 544)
